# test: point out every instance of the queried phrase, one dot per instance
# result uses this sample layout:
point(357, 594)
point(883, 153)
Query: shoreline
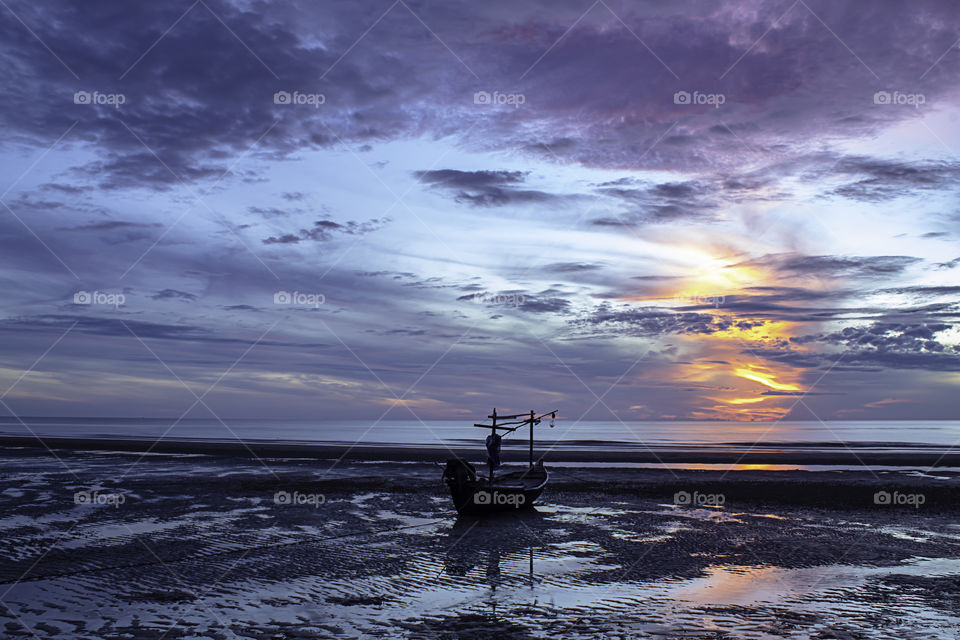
point(694, 454)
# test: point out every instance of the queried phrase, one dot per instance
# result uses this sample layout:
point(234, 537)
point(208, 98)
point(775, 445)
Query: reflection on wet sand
point(470, 543)
point(527, 576)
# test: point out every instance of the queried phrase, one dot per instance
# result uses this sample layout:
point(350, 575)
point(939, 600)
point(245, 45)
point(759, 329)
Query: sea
point(891, 435)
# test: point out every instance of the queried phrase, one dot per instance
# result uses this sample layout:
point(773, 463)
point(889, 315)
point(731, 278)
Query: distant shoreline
point(779, 454)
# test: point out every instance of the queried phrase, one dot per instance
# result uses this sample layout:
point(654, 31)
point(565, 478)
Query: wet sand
point(198, 547)
point(824, 453)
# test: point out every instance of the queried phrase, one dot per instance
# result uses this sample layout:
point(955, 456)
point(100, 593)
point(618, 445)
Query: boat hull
point(507, 492)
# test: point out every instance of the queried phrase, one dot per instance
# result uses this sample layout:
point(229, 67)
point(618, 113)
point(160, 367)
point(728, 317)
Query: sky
point(422, 210)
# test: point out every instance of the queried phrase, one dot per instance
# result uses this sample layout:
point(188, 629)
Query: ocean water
point(888, 435)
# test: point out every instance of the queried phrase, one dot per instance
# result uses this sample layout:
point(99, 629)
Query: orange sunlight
point(766, 379)
point(745, 400)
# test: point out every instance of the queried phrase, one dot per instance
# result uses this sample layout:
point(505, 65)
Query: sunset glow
point(766, 379)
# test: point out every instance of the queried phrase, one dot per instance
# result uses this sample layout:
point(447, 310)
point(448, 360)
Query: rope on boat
point(245, 550)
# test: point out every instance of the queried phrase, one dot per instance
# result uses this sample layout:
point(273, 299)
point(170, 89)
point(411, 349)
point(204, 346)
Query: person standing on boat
point(493, 451)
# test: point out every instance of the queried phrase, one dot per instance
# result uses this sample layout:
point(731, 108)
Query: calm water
point(898, 434)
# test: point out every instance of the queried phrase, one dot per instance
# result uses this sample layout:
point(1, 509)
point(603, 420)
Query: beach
point(100, 544)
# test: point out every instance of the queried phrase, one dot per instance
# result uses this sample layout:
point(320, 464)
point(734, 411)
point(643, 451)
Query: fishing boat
point(474, 494)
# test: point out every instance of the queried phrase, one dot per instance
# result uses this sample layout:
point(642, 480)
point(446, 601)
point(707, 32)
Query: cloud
point(893, 345)
point(658, 203)
point(544, 305)
point(94, 325)
point(111, 225)
point(484, 188)
point(546, 301)
point(69, 189)
point(287, 238)
point(173, 294)
point(830, 266)
point(885, 180)
point(650, 321)
point(472, 180)
point(203, 95)
point(325, 230)
point(571, 267)
point(923, 290)
point(127, 328)
point(271, 212)
point(242, 307)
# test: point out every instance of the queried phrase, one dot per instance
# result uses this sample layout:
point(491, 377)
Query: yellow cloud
point(745, 400)
point(766, 379)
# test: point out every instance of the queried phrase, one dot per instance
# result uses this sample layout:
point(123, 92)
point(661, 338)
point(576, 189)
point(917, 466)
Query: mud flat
point(119, 545)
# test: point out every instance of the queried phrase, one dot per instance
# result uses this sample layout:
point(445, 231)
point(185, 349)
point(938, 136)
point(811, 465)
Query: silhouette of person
point(493, 450)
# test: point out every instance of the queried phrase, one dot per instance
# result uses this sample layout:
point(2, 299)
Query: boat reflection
point(487, 542)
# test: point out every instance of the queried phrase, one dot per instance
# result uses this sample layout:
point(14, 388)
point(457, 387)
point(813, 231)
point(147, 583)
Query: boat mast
point(531, 438)
point(494, 432)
